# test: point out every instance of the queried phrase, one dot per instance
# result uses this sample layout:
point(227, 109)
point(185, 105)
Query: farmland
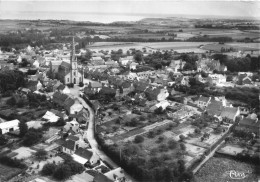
point(8, 172)
point(217, 170)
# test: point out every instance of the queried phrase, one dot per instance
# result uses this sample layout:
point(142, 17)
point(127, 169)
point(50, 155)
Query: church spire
point(73, 50)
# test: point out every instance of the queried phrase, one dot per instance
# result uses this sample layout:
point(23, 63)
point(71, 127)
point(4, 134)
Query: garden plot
point(194, 150)
point(23, 153)
point(231, 150)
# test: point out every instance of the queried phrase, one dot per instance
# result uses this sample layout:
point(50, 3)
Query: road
point(92, 141)
point(207, 157)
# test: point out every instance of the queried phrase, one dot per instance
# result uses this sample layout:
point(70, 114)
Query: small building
point(230, 113)
point(116, 175)
point(203, 102)
point(72, 125)
point(9, 126)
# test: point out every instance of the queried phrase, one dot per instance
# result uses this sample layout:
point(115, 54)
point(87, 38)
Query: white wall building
point(8, 126)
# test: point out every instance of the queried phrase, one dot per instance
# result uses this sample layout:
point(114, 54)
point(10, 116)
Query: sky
point(133, 7)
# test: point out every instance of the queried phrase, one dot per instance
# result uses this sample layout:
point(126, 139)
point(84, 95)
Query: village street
point(90, 136)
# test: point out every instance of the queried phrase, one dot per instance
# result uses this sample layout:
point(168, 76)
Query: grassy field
point(8, 172)
point(217, 170)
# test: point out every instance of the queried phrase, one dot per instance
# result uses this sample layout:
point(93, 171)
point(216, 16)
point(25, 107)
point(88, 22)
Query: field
point(153, 45)
point(8, 172)
point(218, 170)
point(237, 46)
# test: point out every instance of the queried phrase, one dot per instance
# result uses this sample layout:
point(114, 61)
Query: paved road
point(207, 158)
point(92, 141)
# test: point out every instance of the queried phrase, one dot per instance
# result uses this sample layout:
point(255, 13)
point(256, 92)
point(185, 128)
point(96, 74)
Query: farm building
point(8, 126)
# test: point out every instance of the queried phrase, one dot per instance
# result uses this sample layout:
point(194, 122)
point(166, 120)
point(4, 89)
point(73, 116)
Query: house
point(218, 78)
point(203, 102)
point(246, 81)
point(76, 107)
point(132, 66)
point(249, 125)
point(94, 86)
point(51, 117)
point(97, 61)
point(59, 98)
point(244, 111)
point(32, 85)
point(126, 60)
point(230, 113)
point(9, 126)
point(116, 175)
point(177, 65)
point(84, 156)
point(72, 125)
point(69, 146)
point(68, 103)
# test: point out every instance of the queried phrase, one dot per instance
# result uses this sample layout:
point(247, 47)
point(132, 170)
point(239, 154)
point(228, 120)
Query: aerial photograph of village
point(129, 91)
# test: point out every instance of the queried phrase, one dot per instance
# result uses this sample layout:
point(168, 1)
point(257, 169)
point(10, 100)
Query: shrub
point(139, 139)
point(160, 139)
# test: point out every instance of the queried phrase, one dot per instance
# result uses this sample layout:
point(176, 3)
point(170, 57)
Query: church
point(67, 70)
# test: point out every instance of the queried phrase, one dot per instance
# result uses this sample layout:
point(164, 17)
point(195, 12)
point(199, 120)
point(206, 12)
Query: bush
point(48, 169)
point(3, 140)
point(139, 139)
point(160, 139)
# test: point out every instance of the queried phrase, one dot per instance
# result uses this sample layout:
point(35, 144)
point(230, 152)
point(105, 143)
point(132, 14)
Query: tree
point(3, 140)
point(40, 154)
point(62, 172)
point(138, 57)
point(48, 169)
point(183, 147)
point(23, 128)
point(172, 144)
point(139, 139)
point(32, 137)
point(197, 130)
point(182, 138)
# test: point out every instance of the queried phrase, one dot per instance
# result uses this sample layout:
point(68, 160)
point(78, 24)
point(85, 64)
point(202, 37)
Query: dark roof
point(69, 144)
point(68, 103)
point(214, 107)
point(73, 138)
point(84, 153)
point(98, 177)
point(65, 64)
point(107, 90)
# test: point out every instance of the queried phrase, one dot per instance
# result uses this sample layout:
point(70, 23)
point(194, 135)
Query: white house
point(8, 126)
point(76, 107)
point(218, 78)
point(116, 175)
point(126, 60)
point(133, 66)
point(72, 125)
point(203, 102)
point(84, 156)
point(38, 86)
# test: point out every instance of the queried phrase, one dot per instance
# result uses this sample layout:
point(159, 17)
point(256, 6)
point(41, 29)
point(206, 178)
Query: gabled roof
point(9, 124)
point(84, 153)
point(229, 112)
point(73, 138)
point(69, 144)
point(250, 122)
